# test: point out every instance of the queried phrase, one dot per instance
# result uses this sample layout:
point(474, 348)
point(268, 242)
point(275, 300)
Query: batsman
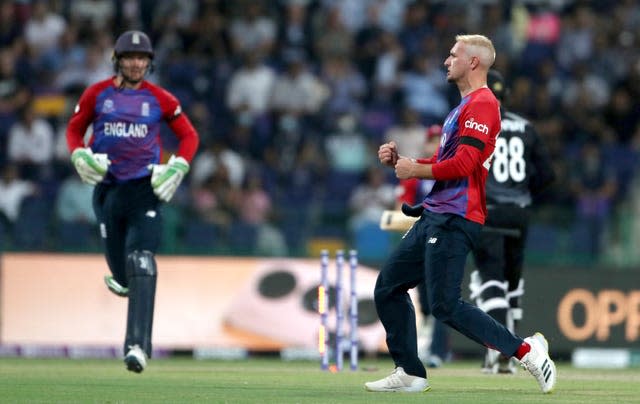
point(122, 157)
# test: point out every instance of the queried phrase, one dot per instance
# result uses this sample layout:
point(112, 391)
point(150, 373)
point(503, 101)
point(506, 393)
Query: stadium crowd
point(291, 98)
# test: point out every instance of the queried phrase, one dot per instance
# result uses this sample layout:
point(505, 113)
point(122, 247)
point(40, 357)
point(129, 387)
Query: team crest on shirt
point(145, 109)
point(108, 107)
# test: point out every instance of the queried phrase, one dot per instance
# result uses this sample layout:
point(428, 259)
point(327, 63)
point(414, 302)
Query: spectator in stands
point(370, 198)
point(10, 28)
point(67, 53)
point(391, 13)
point(44, 28)
point(31, 143)
point(215, 200)
point(367, 42)
point(388, 64)
point(209, 33)
point(216, 154)
point(408, 133)
point(543, 30)
point(332, 38)
point(295, 31)
point(594, 186)
point(297, 93)
point(497, 25)
point(586, 88)
point(74, 201)
point(424, 88)
point(14, 91)
point(256, 209)
point(13, 191)
point(347, 149)
point(622, 114)
point(416, 27)
point(347, 87)
point(97, 14)
point(576, 43)
point(253, 30)
point(249, 92)
point(92, 68)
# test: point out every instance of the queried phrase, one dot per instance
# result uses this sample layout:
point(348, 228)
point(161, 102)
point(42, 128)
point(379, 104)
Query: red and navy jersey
point(468, 140)
point(126, 126)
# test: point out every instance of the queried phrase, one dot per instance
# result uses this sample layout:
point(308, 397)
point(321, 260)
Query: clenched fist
point(388, 154)
point(405, 168)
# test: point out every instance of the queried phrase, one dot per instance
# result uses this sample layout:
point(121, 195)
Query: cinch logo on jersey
point(122, 129)
point(480, 127)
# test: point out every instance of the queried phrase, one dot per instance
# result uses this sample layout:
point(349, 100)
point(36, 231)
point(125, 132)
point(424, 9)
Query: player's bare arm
point(410, 168)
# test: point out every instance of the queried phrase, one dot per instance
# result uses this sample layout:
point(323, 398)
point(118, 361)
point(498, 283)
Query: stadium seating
point(31, 226)
point(200, 237)
point(76, 236)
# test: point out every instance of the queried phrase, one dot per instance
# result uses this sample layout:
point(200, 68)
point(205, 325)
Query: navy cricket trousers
point(129, 219)
point(434, 249)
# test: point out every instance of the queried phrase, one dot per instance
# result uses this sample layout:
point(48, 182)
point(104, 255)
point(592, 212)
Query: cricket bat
point(395, 220)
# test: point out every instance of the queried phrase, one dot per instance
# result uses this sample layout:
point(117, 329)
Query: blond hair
point(479, 46)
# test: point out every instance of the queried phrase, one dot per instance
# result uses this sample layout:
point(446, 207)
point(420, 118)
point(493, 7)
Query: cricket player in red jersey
point(122, 159)
point(435, 249)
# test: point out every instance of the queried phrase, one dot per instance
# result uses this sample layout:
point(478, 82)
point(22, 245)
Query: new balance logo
point(432, 240)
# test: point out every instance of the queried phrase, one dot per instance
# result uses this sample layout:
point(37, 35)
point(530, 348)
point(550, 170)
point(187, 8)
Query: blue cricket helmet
point(133, 41)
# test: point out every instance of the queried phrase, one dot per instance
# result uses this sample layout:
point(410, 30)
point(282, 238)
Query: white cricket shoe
point(135, 359)
point(399, 381)
point(538, 362)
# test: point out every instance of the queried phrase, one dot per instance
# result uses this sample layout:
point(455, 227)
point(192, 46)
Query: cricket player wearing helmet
point(123, 159)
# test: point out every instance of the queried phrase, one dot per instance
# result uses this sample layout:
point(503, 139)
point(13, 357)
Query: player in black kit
point(520, 169)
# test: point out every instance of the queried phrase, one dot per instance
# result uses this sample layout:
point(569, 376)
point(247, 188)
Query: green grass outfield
point(264, 380)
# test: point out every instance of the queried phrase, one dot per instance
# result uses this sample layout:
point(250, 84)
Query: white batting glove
point(91, 167)
point(166, 178)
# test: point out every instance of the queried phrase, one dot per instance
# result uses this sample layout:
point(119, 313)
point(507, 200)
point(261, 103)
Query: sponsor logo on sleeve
point(480, 127)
